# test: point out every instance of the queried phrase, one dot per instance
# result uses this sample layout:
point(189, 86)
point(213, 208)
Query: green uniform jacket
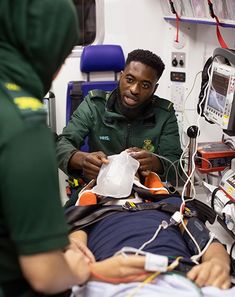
point(155, 130)
point(31, 216)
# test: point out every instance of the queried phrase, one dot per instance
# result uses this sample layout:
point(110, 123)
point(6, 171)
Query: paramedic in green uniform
point(131, 117)
point(36, 257)
point(35, 38)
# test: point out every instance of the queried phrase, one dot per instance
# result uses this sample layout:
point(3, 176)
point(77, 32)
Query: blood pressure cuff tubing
point(199, 232)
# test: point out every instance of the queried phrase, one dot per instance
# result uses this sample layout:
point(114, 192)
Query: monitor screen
point(219, 107)
point(218, 91)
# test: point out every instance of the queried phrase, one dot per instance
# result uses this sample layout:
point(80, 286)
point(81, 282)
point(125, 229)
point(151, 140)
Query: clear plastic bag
point(116, 178)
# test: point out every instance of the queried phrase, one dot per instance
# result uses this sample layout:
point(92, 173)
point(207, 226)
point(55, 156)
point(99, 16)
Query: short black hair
point(148, 58)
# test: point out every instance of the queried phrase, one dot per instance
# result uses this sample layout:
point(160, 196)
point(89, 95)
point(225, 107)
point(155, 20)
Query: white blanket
point(164, 286)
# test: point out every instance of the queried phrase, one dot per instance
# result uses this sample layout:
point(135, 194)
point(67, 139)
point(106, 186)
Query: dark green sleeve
point(73, 135)
point(31, 205)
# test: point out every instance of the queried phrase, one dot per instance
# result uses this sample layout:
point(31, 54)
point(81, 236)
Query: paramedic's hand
point(211, 273)
point(118, 269)
point(77, 244)
point(148, 161)
point(79, 265)
point(90, 163)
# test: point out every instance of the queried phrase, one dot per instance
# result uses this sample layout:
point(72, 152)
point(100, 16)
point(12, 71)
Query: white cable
point(184, 203)
point(172, 164)
point(205, 91)
point(189, 177)
point(194, 153)
point(163, 225)
point(129, 250)
point(204, 159)
point(230, 142)
point(189, 233)
point(178, 174)
point(186, 98)
point(196, 257)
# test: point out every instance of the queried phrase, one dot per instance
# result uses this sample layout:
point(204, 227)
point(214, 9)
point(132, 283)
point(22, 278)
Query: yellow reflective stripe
point(12, 87)
point(28, 103)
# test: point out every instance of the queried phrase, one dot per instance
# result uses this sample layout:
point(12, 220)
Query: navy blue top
point(133, 229)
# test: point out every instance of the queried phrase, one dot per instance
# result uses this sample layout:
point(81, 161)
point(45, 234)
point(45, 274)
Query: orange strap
point(177, 19)
point(219, 36)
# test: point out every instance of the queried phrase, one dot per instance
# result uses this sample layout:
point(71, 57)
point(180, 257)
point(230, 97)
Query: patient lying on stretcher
point(151, 230)
point(135, 229)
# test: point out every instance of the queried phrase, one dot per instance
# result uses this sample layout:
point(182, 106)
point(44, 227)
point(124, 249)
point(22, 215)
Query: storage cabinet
point(197, 11)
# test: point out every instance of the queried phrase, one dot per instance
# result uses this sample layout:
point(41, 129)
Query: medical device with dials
point(220, 106)
point(219, 103)
point(213, 156)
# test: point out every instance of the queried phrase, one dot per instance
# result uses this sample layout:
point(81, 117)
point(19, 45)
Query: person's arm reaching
point(214, 269)
point(53, 272)
point(36, 221)
point(115, 269)
point(68, 144)
point(78, 240)
point(119, 269)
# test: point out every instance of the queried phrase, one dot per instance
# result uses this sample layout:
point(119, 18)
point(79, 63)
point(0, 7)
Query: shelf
point(223, 23)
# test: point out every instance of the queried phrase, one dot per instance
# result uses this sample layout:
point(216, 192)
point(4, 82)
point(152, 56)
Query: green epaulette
point(98, 93)
point(31, 108)
point(163, 103)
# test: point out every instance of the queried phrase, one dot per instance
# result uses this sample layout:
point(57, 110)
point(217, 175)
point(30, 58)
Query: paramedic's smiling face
point(137, 84)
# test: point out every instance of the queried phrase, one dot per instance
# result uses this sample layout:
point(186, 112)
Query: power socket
point(178, 59)
point(177, 96)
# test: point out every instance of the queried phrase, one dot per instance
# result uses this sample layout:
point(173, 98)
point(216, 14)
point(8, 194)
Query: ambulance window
point(87, 10)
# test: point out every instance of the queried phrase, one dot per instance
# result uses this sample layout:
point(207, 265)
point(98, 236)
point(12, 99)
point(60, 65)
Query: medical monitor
point(219, 104)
